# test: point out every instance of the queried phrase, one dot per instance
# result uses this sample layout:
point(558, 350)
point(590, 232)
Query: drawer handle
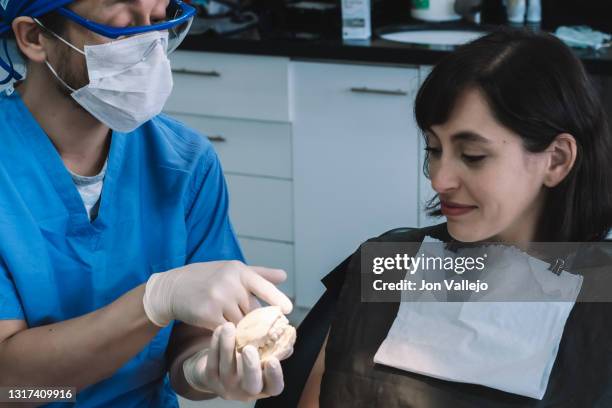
point(212, 73)
point(364, 89)
point(216, 139)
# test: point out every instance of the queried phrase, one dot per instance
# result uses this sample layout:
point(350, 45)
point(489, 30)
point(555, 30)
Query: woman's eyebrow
point(463, 136)
point(467, 136)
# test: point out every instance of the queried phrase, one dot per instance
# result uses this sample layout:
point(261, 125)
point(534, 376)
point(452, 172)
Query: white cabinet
point(261, 207)
point(355, 162)
point(240, 103)
point(246, 146)
point(318, 157)
point(225, 85)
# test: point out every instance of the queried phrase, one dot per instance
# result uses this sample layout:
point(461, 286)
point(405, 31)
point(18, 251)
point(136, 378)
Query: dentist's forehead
point(99, 4)
point(117, 12)
point(135, 2)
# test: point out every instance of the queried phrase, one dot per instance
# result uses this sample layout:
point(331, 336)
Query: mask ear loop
point(57, 36)
point(47, 62)
point(71, 89)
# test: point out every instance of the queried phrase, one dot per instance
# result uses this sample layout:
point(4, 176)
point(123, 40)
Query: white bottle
point(534, 11)
point(434, 10)
point(356, 24)
point(516, 10)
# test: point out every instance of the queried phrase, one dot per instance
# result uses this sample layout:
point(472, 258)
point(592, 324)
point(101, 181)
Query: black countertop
point(375, 50)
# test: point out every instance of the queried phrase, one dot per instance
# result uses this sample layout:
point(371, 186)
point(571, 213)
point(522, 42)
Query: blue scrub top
point(164, 204)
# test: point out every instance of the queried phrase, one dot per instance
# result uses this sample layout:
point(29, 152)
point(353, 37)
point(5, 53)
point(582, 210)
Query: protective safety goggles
point(179, 16)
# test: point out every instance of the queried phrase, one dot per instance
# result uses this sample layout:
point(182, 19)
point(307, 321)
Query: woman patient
point(518, 150)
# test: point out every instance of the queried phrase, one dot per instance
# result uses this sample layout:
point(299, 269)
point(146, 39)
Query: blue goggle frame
point(187, 12)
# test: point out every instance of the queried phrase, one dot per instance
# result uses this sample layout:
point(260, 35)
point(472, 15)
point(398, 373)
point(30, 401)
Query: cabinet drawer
point(240, 86)
point(360, 93)
point(355, 162)
point(245, 146)
point(261, 207)
point(273, 255)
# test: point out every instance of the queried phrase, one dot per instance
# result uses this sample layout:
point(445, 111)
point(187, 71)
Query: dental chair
point(310, 337)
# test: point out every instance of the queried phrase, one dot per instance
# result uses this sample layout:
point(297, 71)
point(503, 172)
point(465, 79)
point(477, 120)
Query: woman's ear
point(563, 152)
point(30, 39)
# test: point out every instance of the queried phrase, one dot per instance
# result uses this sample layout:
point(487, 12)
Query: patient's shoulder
point(414, 234)
point(334, 280)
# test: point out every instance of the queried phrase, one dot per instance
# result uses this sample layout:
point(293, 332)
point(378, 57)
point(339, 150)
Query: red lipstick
point(451, 209)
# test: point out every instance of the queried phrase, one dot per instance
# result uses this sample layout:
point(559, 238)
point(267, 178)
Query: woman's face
point(489, 186)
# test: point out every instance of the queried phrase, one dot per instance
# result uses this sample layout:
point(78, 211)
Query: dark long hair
point(537, 88)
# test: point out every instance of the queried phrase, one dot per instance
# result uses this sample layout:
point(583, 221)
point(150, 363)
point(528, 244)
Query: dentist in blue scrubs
point(120, 274)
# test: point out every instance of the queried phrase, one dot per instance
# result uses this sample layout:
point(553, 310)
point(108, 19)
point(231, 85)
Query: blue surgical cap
point(11, 9)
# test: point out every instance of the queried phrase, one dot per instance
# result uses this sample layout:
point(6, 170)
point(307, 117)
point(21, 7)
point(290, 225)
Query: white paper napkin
point(510, 346)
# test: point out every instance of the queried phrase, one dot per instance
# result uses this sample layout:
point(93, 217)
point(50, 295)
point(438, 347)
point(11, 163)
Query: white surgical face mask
point(129, 80)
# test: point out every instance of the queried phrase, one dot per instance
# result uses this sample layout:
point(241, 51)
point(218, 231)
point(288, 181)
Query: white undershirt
point(90, 189)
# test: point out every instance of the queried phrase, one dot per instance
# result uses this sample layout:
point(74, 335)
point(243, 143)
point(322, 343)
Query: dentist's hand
point(209, 294)
point(236, 376)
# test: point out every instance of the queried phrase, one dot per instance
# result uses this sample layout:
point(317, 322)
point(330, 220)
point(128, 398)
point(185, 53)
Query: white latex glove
point(231, 375)
point(209, 294)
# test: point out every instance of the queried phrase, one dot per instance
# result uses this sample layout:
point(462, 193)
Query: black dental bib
point(581, 376)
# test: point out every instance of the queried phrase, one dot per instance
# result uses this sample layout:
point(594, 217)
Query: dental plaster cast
point(269, 331)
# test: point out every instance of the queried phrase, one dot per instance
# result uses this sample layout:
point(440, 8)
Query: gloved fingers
point(252, 381)
point(210, 317)
point(233, 313)
point(227, 356)
point(273, 377)
point(286, 354)
point(267, 292)
point(273, 275)
point(248, 304)
point(253, 303)
point(211, 373)
point(194, 369)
